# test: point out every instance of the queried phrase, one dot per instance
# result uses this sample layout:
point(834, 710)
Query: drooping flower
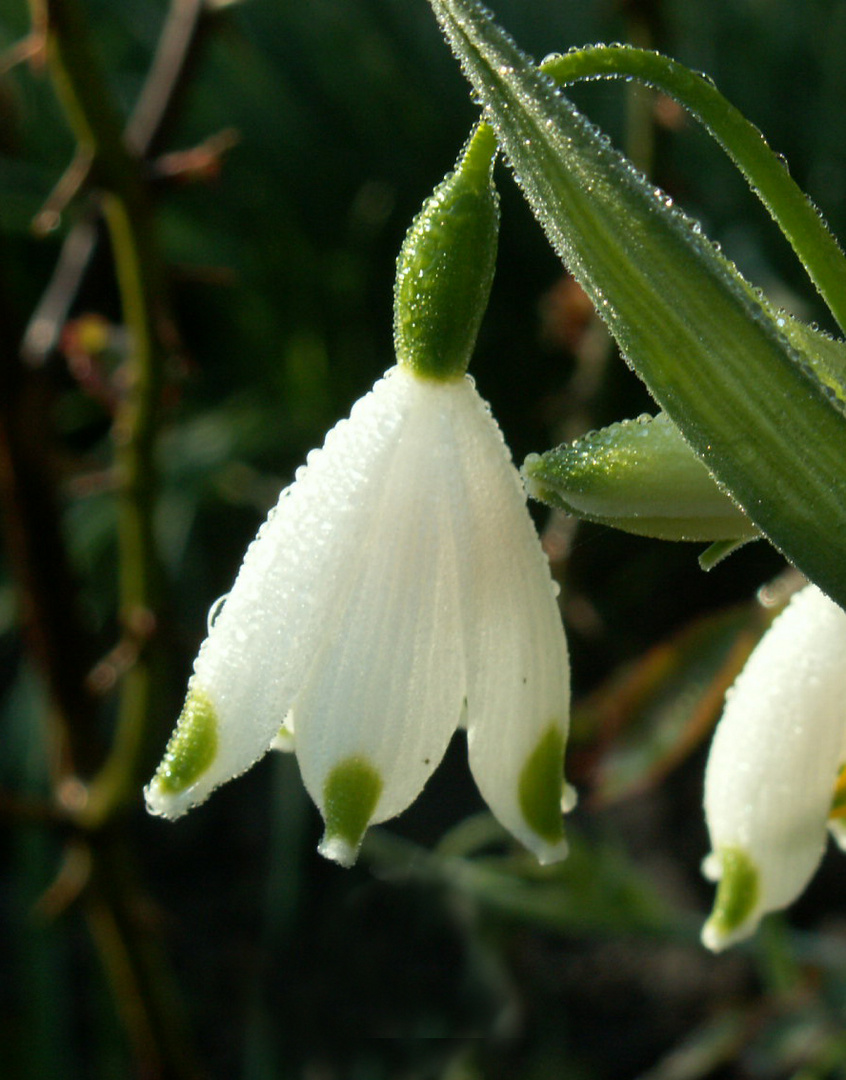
point(774, 765)
point(398, 589)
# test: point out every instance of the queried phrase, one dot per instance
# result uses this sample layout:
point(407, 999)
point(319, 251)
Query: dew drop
point(215, 610)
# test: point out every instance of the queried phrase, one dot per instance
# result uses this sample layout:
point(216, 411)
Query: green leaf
point(714, 554)
point(790, 207)
point(596, 890)
point(708, 346)
point(826, 355)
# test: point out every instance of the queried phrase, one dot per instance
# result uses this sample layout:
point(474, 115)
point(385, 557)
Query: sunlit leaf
point(792, 210)
point(708, 346)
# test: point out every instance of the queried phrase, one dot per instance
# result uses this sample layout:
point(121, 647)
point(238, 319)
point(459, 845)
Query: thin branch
point(70, 184)
point(148, 1002)
point(45, 326)
point(67, 886)
point(44, 582)
point(168, 77)
point(30, 48)
point(176, 53)
point(140, 276)
point(95, 869)
point(97, 872)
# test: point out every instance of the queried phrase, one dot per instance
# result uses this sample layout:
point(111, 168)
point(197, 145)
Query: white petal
point(283, 603)
point(773, 764)
point(386, 690)
point(518, 669)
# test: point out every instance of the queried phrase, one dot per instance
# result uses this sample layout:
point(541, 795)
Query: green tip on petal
point(737, 897)
point(192, 747)
point(350, 794)
point(541, 793)
point(446, 266)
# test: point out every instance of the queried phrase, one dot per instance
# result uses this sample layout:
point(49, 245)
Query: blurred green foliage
point(457, 959)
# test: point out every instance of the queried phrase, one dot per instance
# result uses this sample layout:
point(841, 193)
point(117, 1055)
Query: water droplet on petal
point(215, 610)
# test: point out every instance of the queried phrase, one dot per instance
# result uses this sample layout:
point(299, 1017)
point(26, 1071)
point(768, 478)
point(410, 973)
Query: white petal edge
point(282, 605)
point(773, 764)
point(518, 693)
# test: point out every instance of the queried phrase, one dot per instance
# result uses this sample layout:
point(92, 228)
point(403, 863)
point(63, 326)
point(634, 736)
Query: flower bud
point(640, 476)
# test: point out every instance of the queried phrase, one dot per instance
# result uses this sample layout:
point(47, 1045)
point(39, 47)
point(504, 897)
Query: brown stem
point(168, 77)
point(98, 868)
point(46, 589)
point(148, 1001)
point(176, 54)
point(121, 179)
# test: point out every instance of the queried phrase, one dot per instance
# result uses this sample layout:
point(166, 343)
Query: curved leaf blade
point(707, 345)
point(791, 209)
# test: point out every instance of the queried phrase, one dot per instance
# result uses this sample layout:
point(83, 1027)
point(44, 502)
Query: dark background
point(445, 952)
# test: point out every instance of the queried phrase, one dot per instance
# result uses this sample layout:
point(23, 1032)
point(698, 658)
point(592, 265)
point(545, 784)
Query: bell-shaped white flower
point(397, 590)
point(398, 582)
point(773, 767)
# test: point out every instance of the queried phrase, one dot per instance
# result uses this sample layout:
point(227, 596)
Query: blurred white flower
point(774, 765)
point(397, 590)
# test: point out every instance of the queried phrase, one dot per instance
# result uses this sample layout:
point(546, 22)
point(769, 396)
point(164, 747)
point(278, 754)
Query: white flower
point(397, 590)
point(773, 767)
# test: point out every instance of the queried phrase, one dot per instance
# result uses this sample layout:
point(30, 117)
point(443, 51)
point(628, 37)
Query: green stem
point(793, 212)
point(135, 425)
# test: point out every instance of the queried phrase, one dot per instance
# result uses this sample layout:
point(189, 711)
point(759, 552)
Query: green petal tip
point(733, 917)
point(541, 793)
point(350, 795)
point(191, 750)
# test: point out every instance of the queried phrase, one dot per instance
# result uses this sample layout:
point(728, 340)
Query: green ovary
point(446, 266)
point(192, 747)
point(541, 786)
point(350, 794)
point(737, 894)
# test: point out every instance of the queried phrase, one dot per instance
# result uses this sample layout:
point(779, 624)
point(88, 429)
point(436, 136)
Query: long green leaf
point(791, 209)
point(707, 345)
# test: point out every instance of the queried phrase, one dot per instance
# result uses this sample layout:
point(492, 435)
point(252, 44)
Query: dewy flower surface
point(398, 589)
point(398, 581)
point(773, 766)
